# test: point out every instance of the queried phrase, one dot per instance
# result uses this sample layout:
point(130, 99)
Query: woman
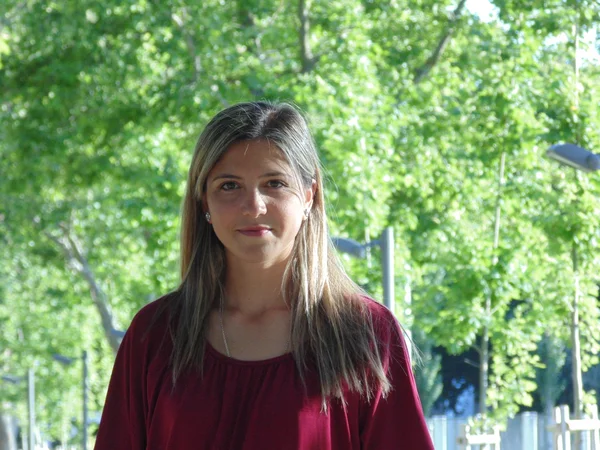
point(266, 344)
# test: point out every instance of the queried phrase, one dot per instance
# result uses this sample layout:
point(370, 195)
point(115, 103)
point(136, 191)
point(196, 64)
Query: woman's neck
point(252, 288)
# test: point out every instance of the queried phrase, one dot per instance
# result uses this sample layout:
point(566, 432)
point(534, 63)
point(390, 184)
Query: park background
point(432, 117)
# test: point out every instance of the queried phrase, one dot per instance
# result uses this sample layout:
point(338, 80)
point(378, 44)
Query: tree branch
point(424, 70)
point(191, 47)
point(471, 363)
point(266, 24)
point(78, 262)
point(189, 43)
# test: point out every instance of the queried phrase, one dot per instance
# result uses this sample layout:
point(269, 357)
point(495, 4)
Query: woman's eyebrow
point(274, 174)
point(226, 175)
point(237, 177)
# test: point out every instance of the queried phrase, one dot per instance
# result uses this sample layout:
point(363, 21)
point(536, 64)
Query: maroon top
point(251, 405)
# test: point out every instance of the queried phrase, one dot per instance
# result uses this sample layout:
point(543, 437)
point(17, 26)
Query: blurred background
point(432, 118)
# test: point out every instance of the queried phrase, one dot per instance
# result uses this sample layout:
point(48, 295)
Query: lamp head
point(350, 246)
point(574, 156)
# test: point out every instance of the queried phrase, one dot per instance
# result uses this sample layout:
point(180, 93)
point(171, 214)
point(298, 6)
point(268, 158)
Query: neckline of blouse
point(240, 362)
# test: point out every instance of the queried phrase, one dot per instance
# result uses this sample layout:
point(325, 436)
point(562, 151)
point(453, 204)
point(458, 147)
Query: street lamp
point(574, 156)
point(386, 243)
point(585, 161)
point(30, 400)
point(358, 250)
point(68, 361)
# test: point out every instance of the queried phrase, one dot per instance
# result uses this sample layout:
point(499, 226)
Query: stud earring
point(306, 213)
point(207, 215)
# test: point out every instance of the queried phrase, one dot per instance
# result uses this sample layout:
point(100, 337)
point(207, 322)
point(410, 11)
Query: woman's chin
point(259, 255)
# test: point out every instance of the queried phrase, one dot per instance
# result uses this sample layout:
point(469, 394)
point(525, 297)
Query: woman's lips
point(254, 231)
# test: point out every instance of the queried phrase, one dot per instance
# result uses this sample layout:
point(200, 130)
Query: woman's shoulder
point(387, 329)
point(152, 318)
point(381, 316)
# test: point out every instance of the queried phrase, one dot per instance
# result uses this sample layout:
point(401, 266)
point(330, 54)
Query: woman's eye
point(276, 184)
point(228, 186)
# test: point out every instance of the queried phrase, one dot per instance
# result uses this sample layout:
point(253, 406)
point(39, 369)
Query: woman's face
point(255, 204)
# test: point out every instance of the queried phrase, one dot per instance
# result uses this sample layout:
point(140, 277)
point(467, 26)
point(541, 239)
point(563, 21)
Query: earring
point(306, 213)
point(207, 215)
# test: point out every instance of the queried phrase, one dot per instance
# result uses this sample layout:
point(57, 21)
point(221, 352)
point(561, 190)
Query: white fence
point(564, 426)
point(527, 431)
point(467, 439)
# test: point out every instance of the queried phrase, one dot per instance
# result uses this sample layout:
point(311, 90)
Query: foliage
point(101, 105)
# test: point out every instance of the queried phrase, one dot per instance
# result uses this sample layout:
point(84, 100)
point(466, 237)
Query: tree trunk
point(484, 349)
point(306, 55)
point(424, 70)
point(576, 374)
point(484, 357)
point(77, 261)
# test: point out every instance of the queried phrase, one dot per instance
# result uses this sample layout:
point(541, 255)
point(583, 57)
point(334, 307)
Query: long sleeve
point(122, 426)
point(396, 421)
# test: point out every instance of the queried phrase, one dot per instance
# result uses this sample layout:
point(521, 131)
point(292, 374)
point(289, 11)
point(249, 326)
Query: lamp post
point(586, 161)
point(8, 431)
point(30, 402)
point(68, 361)
point(386, 243)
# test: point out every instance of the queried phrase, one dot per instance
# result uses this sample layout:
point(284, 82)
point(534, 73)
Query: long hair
point(331, 327)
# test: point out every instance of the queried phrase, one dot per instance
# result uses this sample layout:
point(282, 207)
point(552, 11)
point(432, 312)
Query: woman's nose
point(254, 204)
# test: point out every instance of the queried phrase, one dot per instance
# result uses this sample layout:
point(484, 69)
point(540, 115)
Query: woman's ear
point(205, 212)
point(204, 203)
point(310, 194)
